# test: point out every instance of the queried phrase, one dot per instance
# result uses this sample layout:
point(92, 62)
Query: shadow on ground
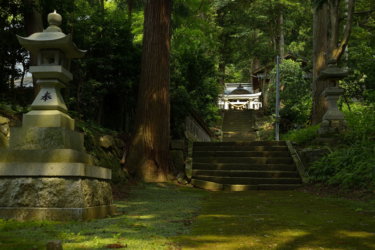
point(146, 220)
point(281, 220)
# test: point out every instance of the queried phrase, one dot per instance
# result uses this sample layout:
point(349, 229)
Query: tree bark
point(281, 39)
point(320, 57)
point(33, 23)
point(148, 156)
point(326, 46)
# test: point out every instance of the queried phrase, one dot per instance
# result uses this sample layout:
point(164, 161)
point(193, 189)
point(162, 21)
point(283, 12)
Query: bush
point(350, 168)
point(353, 165)
point(361, 122)
point(301, 136)
point(295, 94)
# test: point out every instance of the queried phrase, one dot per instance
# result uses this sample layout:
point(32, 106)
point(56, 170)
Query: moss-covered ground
point(281, 220)
point(173, 217)
point(147, 219)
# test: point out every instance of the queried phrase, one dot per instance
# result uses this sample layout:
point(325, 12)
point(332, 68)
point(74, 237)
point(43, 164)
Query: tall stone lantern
point(53, 50)
point(46, 173)
point(333, 120)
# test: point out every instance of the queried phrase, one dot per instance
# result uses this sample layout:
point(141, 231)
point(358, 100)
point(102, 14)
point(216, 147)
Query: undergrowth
point(352, 164)
point(301, 136)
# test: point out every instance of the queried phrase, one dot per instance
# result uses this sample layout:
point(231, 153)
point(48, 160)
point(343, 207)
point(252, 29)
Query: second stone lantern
point(46, 174)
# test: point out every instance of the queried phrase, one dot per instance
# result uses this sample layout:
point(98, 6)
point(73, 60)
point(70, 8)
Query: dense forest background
point(212, 42)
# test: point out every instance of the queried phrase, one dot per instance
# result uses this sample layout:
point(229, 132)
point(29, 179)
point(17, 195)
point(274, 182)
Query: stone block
point(107, 141)
point(208, 185)
point(310, 155)
point(53, 169)
point(47, 118)
point(178, 144)
point(178, 160)
point(54, 245)
point(54, 198)
point(46, 138)
point(45, 155)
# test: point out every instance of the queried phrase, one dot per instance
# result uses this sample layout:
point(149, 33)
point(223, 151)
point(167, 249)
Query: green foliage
point(104, 157)
point(193, 65)
point(301, 136)
point(360, 83)
point(295, 94)
point(361, 123)
point(353, 165)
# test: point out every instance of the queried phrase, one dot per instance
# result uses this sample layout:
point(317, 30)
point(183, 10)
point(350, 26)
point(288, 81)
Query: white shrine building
point(239, 96)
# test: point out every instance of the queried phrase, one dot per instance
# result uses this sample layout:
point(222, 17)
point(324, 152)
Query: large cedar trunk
point(33, 23)
point(326, 46)
point(148, 156)
point(320, 50)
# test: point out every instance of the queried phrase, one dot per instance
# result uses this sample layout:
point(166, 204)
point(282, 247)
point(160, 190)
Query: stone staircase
point(238, 125)
point(239, 166)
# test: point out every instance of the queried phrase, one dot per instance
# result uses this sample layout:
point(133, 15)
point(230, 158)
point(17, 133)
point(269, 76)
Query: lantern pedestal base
point(47, 118)
point(58, 198)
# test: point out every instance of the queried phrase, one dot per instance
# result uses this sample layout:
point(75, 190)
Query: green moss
point(281, 220)
point(147, 220)
point(170, 217)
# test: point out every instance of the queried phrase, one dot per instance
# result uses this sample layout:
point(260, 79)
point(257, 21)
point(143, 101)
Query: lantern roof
point(52, 38)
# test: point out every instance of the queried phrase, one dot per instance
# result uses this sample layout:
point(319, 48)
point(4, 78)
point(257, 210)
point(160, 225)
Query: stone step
point(213, 186)
point(244, 166)
point(228, 187)
point(249, 180)
point(240, 148)
point(251, 160)
point(241, 154)
point(245, 173)
point(234, 143)
point(208, 185)
point(53, 155)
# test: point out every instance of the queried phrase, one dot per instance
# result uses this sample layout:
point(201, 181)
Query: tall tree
point(33, 23)
point(327, 46)
point(148, 156)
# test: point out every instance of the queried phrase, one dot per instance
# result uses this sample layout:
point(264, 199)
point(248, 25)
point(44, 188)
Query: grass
point(148, 219)
point(172, 217)
point(281, 220)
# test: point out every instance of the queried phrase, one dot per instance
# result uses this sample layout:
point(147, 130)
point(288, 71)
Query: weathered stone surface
point(4, 132)
point(310, 155)
point(54, 192)
point(54, 245)
point(53, 169)
point(54, 155)
point(3, 120)
point(45, 138)
point(107, 141)
point(178, 144)
point(178, 160)
point(47, 118)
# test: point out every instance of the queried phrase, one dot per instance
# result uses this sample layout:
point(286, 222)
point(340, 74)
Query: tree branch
point(338, 51)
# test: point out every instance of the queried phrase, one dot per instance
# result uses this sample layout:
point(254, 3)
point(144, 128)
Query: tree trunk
point(281, 39)
point(148, 156)
point(326, 46)
point(320, 57)
point(33, 23)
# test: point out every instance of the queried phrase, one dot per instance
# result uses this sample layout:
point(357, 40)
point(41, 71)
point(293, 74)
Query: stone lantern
point(53, 50)
point(333, 120)
point(46, 173)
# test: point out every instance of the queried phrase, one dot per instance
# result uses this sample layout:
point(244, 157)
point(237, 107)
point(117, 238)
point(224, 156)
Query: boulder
point(107, 141)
